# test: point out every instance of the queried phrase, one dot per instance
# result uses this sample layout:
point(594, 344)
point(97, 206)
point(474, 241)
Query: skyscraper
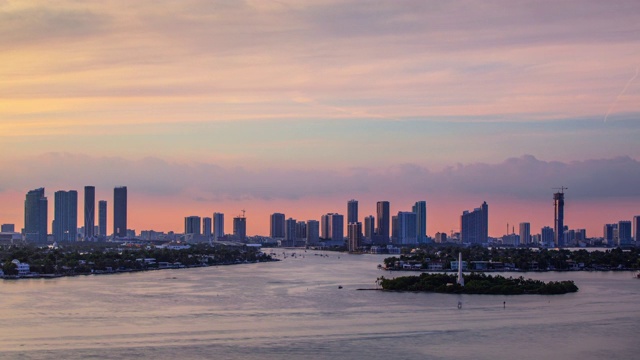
point(352, 211)
point(120, 211)
point(301, 230)
point(65, 216)
point(624, 233)
point(636, 229)
point(192, 225)
point(240, 228)
point(547, 237)
point(474, 226)
point(89, 212)
point(407, 228)
point(369, 227)
point(102, 218)
point(290, 230)
point(609, 233)
point(332, 226)
point(354, 236)
point(420, 209)
point(35, 216)
point(383, 219)
point(525, 233)
point(277, 226)
point(313, 232)
point(218, 225)
point(206, 226)
point(558, 230)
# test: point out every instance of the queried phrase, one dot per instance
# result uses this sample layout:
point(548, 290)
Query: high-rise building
point(395, 230)
point(240, 228)
point(352, 211)
point(301, 230)
point(35, 216)
point(547, 235)
point(525, 233)
point(369, 227)
point(624, 233)
point(218, 225)
point(383, 221)
point(336, 227)
point(277, 226)
point(65, 216)
point(558, 204)
point(636, 229)
point(474, 225)
point(8, 228)
point(192, 225)
point(609, 235)
point(407, 228)
point(313, 232)
point(354, 236)
point(89, 212)
point(290, 229)
point(420, 209)
point(120, 211)
point(325, 227)
point(102, 218)
point(206, 226)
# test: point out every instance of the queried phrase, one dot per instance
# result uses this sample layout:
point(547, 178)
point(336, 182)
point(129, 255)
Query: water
point(294, 309)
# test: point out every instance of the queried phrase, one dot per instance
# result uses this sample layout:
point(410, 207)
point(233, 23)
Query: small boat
point(638, 275)
point(339, 286)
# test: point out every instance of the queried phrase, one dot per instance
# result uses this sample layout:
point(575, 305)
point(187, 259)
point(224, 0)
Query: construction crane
point(561, 188)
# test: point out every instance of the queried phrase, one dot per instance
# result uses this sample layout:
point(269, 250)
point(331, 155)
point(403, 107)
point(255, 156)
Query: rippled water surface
point(294, 309)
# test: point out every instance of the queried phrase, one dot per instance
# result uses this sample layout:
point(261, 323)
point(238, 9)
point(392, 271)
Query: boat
point(638, 274)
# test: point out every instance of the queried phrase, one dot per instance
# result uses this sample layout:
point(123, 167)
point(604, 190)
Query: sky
point(298, 106)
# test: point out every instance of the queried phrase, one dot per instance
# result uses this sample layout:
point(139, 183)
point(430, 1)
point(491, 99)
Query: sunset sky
point(298, 106)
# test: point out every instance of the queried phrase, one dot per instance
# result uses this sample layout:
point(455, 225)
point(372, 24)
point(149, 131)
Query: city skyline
point(297, 107)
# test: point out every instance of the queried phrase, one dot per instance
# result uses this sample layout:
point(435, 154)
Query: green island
point(112, 258)
point(476, 283)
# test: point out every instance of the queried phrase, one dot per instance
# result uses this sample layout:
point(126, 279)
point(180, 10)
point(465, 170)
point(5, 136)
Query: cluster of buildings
point(64, 225)
point(405, 228)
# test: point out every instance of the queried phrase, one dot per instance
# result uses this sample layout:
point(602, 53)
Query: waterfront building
point(102, 218)
point(569, 237)
point(290, 230)
point(407, 228)
point(120, 211)
point(352, 211)
point(36, 216)
point(624, 233)
point(301, 230)
point(313, 232)
point(474, 225)
point(8, 228)
point(192, 225)
point(240, 228)
point(394, 228)
point(354, 236)
point(65, 216)
point(218, 225)
point(324, 227)
point(206, 226)
point(337, 227)
point(580, 236)
point(420, 209)
point(609, 235)
point(558, 205)
point(89, 212)
point(525, 233)
point(369, 227)
point(547, 235)
point(636, 229)
point(383, 217)
point(277, 226)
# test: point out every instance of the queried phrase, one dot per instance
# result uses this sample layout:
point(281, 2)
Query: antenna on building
point(243, 212)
